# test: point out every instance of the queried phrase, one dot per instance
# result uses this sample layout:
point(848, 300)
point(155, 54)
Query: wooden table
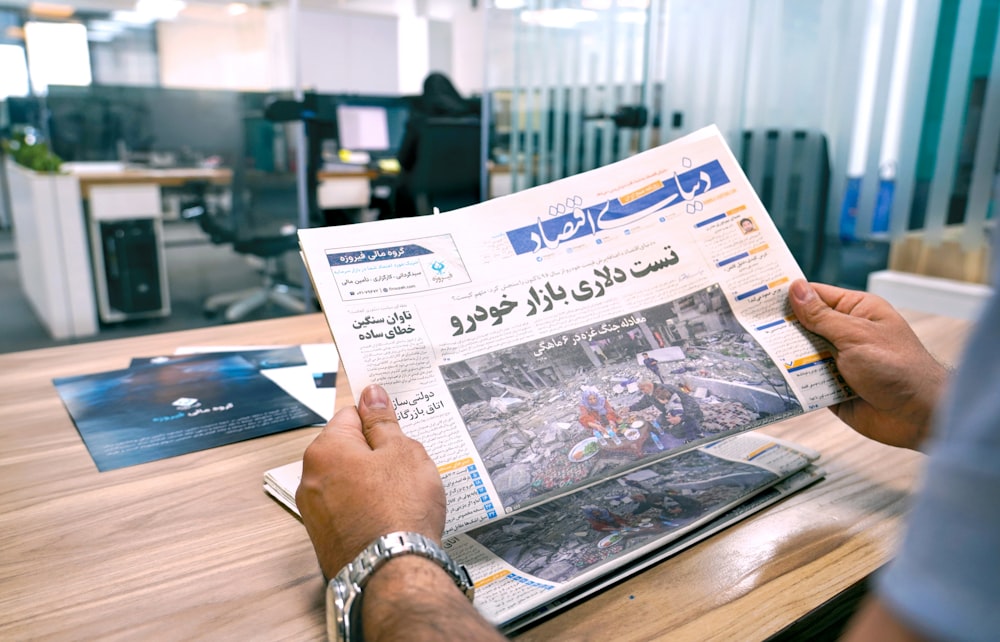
point(191, 548)
point(165, 177)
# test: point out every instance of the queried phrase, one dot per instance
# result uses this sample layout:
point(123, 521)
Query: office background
point(860, 122)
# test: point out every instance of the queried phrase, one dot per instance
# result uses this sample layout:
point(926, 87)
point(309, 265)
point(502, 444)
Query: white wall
point(215, 51)
point(349, 52)
point(338, 51)
point(468, 40)
point(413, 53)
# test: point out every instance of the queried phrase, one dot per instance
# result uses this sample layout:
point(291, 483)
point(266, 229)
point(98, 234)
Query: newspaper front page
point(540, 342)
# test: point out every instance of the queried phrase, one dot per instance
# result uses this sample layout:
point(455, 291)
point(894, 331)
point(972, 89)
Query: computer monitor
point(363, 128)
point(372, 124)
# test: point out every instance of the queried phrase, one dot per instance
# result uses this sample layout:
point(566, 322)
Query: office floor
point(196, 269)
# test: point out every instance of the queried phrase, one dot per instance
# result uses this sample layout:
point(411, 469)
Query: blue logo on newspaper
point(375, 255)
point(619, 211)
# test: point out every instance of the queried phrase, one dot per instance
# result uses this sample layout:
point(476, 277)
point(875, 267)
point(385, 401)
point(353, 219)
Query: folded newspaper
point(536, 562)
point(574, 356)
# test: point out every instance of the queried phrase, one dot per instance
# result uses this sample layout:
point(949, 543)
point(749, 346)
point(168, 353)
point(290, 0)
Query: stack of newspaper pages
point(583, 360)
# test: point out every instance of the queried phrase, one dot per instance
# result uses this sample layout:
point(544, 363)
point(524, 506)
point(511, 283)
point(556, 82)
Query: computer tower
point(129, 269)
point(126, 249)
point(131, 266)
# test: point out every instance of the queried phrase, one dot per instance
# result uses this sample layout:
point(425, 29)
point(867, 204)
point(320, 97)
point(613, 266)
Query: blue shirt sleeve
point(945, 579)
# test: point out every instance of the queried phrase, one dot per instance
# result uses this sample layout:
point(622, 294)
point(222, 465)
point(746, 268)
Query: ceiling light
point(236, 8)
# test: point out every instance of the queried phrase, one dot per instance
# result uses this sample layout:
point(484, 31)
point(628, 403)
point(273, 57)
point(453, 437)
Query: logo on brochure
point(186, 403)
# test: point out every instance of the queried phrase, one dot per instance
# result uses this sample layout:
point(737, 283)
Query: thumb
point(812, 311)
point(378, 419)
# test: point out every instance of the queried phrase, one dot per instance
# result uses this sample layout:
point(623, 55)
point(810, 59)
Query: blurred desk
point(124, 208)
point(102, 174)
point(338, 188)
point(356, 187)
point(191, 548)
point(345, 188)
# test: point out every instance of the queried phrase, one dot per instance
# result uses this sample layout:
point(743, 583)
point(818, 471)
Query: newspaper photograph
point(544, 341)
point(535, 562)
point(527, 560)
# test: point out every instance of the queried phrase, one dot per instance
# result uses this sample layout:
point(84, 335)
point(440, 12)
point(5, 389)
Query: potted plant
point(27, 149)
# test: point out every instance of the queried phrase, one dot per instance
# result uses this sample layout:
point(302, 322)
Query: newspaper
point(541, 560)
point(513, 618)
point(542, 342)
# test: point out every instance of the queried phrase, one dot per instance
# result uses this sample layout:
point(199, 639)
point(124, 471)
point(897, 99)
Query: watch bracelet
point(393, 545)
point(344, 590)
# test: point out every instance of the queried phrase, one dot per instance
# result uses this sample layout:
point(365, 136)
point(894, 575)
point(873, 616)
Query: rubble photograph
point(599, 400)
point(562, 539)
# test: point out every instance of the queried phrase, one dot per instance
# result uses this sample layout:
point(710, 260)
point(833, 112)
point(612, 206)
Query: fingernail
point(801, 291)
point(375, 397)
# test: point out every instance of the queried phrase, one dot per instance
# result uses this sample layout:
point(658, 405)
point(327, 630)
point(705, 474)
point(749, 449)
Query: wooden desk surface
point(180, 176)
point(333, 174)
point(191, 548)
point(168, 177)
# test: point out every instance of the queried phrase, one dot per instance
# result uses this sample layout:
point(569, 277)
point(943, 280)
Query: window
point(14, 79)
point(57, 54)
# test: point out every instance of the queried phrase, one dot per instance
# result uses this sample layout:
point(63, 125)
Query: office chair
point(261, 223)
point(446, 172)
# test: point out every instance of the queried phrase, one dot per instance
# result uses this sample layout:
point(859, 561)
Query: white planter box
point(53, 259)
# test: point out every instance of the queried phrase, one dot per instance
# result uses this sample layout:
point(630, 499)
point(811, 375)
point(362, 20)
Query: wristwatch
point(343, 593)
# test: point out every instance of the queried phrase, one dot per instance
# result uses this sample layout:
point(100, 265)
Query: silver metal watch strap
point(344, 590)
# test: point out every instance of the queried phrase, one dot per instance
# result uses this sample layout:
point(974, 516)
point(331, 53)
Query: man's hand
point(363, 478)
point(898, 382)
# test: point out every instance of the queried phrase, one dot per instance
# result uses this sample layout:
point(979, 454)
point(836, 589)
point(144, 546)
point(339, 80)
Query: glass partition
point(858, 121)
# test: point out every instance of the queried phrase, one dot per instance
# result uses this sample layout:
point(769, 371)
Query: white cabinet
point(52, 256)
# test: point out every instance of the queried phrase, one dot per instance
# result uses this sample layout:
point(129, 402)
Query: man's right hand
point(897, 381)
point(363, 478)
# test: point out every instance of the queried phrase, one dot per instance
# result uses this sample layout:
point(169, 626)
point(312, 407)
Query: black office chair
point(261, 223)
point(446, 173)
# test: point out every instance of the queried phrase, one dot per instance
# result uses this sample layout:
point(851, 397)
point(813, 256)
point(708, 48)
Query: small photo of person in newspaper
point(747, 225)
